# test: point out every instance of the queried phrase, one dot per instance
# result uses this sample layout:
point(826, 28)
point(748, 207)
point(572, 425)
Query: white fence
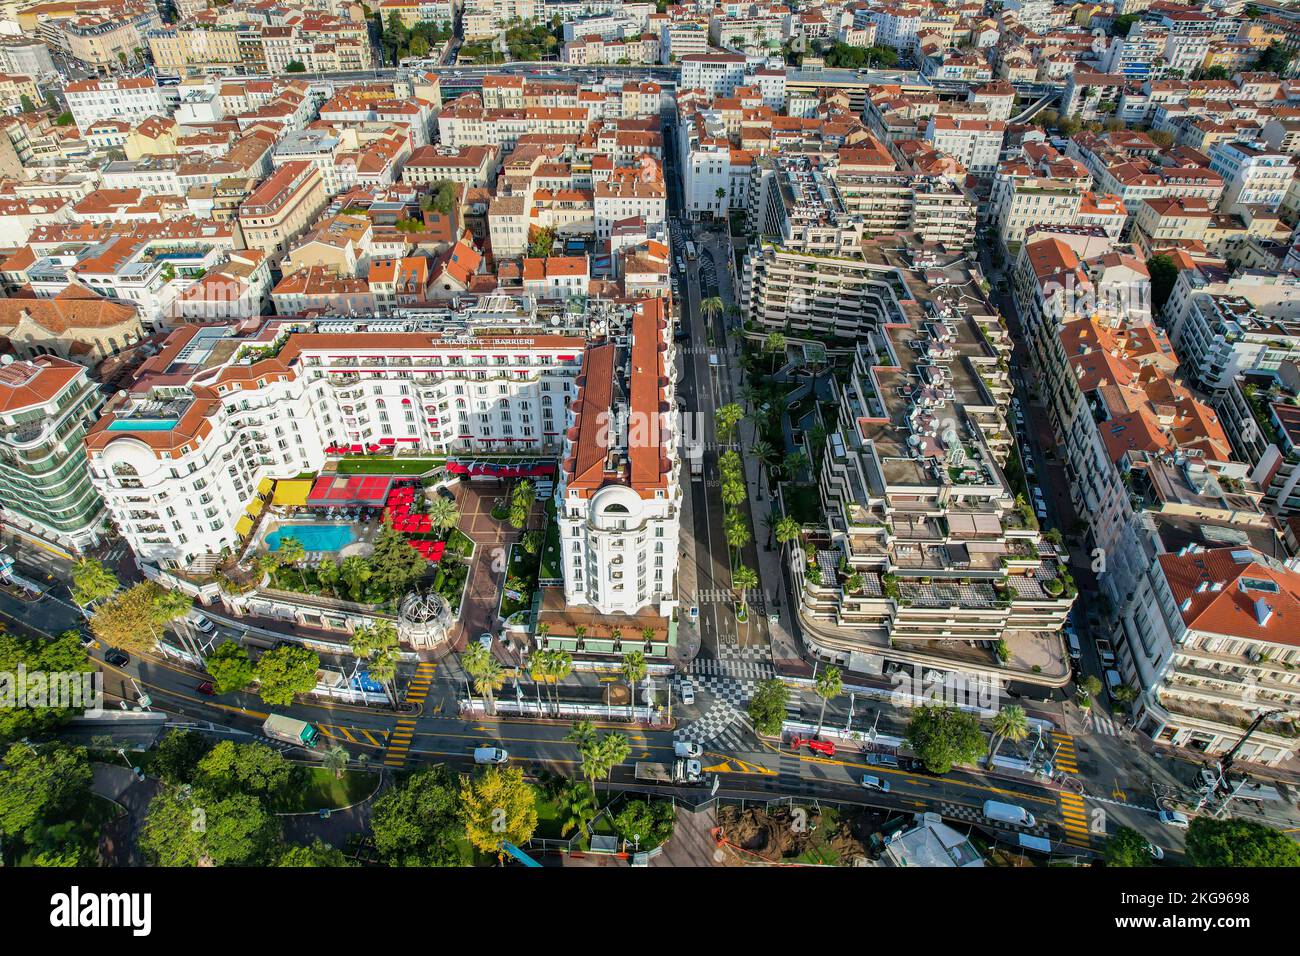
point(567, 709)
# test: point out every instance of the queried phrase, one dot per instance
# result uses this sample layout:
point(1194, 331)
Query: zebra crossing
point(399, 743)
point(730, 681)
point(754, 596)
point(1074, 818)
point(418, 689)
point(1101, 724)
point(1066, 759)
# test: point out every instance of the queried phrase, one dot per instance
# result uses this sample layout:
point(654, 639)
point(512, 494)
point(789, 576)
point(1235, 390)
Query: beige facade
point(282, 208)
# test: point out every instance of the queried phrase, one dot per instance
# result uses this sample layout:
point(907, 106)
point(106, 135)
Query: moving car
point(206, 688)
point(490, 755)
point(875, 783)
point(686, 690)
point(1175, 818)
point(117, 658)
point(1008, 813)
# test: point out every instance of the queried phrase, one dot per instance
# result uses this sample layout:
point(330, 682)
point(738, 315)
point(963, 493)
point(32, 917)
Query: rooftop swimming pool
point(314, 537)
point(143, 425)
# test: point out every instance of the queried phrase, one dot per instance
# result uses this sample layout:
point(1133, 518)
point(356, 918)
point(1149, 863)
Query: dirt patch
point(799, 835)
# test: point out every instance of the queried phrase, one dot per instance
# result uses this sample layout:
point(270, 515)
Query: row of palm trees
point(547, 668)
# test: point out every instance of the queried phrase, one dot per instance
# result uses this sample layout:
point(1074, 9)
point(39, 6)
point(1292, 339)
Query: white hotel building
point(619, 495)
point(217, 413)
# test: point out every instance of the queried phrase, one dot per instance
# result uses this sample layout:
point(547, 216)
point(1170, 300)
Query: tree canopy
point(416, 822)
point(1235, 842)
point(942, 736)
point(285, 671)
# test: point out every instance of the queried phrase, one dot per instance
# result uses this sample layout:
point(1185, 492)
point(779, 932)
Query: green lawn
point(388, 466)
point(322, 790)
point(522, 569)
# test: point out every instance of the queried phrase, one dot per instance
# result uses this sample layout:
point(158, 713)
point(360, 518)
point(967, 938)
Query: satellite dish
point(6, 359)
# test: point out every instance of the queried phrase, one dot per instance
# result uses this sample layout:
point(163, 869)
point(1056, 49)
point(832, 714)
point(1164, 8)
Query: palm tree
point(383, 668)
point(291, 552)
point(614, 749)
point(580, 631)
point(765, 455)
point(828, 685)
point(336, 758)
point(634, 671)
point(647, 634)
point(443, 513)
point(788, 529)
point(486, 672)
point(711, 307)
point(92, 582)
point(616, 635)
point(795, 462)
point(1009, 723)
point(576, 809)
point(742, 579)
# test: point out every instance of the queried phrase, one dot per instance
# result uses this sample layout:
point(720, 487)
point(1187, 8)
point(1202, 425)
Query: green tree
point(486, 672)
point(1126, 847)
point(1122, 24)
point(736, 530)
point(316, 853)
point(498, 806)
point(355, 572)
point(416, 822)
point(61, 655)
point(634, 670)
point(443, 513)
point(40, 784)
point(1164, 273)
point(133, 619)
point(295, 66)
point(712, 307)
point(230, 668)
point(767, 706)
point(943, 736)
point(575, 809)
point(26, 103)
point(644, 823)
point(176, 758)
point(1009, 723)
point(92, 582)
point(336, 759)
point(394, 565)
point(244, 768)
point(196, 827)
point(419, 46)
point(1275, 59)
point(290, 553)
point(828, 685)
point(1090, 685)
point(743, 579)
point(774, 343)
point(787, 530)
point(327, 574)
point(1236, 843)
point(285, 671)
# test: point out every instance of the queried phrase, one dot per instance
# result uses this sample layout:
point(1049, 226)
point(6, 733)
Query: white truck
point(697, 462)
point(682, 771)
point(290, 730)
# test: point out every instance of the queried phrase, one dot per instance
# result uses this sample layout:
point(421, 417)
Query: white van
point(687, 750)
point(1072, 641)
point(1113, 683)
point(490, 755)
point(1008, 813)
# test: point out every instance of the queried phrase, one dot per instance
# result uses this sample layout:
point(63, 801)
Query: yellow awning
point(292, 492)
point(243, 526)
point(255, 506)
point(265, 485)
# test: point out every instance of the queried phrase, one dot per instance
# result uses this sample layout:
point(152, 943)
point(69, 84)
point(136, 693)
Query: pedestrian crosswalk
point(399, 743)
point(1066, 760)
point(418, 689)
point(1074, 818)
point(726, 596)
point(741, 670)
point(353, 735)
point(1101, 724)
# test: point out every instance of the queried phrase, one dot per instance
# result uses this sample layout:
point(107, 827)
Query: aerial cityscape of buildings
point(570, 360)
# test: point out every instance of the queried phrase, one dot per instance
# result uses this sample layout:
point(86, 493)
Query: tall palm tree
point(580, 631)
point(765, 455)
point(711, 307)
point(290, 553)
point(614, 749)
point(576, 807)
point(647, 634)
point(92, 582)
point(796, 462)
point(1009, 723)
point(742, 579)
point(616, 635)
point(383, 668)
point(485, 671)
point(788, 529)
point(828, 685)
point(634, 671)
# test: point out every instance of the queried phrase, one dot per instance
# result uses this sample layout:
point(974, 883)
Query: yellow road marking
point(370, 737)
point(345, 733)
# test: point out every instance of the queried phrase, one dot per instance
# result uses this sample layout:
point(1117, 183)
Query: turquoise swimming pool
point(314, 537)
point(143, 425)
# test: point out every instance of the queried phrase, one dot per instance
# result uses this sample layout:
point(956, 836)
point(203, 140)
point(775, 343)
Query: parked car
point(117, 658)
point(686, 691)
point(1206, 779)
point(206, 688)
point(1072, 642)
point(1105, 652)
point(1113, 682)
point(1175, 818)
point(875, 783)
point(1155, 851)
point(485, 639)
point(202, 622)
point(882, 760)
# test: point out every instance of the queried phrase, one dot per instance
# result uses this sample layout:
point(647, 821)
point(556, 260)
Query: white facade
point(130, 99)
